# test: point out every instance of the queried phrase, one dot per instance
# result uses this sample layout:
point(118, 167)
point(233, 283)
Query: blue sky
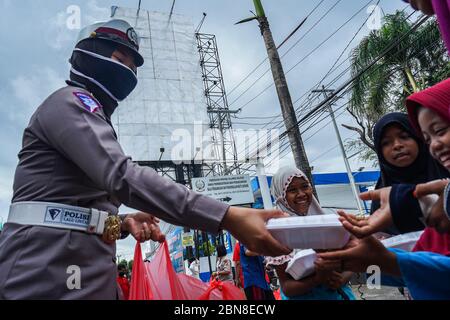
point(36, 44)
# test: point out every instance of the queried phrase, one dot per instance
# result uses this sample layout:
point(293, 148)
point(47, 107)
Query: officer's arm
point(88, 140)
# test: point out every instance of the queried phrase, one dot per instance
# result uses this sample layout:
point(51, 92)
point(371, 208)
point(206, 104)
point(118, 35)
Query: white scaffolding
point(167, 111)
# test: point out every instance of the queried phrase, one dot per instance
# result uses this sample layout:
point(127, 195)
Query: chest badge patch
point(88, 102)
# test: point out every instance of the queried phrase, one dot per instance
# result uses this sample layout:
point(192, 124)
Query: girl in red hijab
point(431, 107)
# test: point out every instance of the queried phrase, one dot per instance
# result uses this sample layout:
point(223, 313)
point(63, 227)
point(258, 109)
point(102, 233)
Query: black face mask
point(114, 78)
point(122, 274)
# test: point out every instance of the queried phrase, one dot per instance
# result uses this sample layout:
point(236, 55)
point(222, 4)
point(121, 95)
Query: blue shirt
point(253, 270)
point(425, 274)
point(322, 293)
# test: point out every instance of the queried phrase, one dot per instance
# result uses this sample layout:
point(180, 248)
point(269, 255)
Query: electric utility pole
point(351, 179)
point(284, 96)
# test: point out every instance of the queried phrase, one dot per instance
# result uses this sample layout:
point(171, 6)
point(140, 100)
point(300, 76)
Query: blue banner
point(175, 243)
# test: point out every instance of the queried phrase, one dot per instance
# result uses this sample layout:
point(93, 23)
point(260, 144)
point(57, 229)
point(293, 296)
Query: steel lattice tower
point(217, 106)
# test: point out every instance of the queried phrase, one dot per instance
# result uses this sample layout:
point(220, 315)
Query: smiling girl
point(402, 155)
point(293, 194)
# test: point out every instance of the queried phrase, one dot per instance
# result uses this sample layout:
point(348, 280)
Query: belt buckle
point(112, 230)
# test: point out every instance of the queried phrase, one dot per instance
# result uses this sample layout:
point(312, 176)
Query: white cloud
point(31, 89)
point(20, 98)
point(59, 36)
point(5, 4)
point(95, 13)
point(6, 181)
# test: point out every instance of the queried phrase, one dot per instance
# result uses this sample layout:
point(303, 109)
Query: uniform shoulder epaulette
point(87, 101)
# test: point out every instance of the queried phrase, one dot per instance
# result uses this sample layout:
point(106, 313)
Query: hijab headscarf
point(442, 10)
point(436, 98)
point(281, 181)
point(433, 241)
point(423, 169)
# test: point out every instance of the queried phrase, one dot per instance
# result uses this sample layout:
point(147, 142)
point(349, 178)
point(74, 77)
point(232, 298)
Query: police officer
point(72, 177)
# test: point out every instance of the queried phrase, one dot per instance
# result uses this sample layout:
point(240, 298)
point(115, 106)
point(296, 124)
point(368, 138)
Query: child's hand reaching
point(432, 187)
point(377, 222)
point(437, 218)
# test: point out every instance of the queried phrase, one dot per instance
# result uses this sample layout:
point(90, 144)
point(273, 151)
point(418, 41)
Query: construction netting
point(168, 108)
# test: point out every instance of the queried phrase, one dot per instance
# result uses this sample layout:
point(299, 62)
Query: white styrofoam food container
point(302, 265)
point(309, 232)
point(405, 241)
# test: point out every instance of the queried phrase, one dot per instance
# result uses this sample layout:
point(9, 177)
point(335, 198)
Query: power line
point(333, 66)
point(268, 69)
point(298, 111)
point(331, 69)
point(249, 124)
point(353, 38)
point(171, 9)
point(139, 8)
point(285, 145)
point(264, 60)
point(292, 33)
point(243, 118)
point(349, 67)
point(361, 72)
point(391, 73)
point(315, 123)
point(201, 23)
point(298, 63)
point(334, 80)
point(280, 123)
point(295, 44)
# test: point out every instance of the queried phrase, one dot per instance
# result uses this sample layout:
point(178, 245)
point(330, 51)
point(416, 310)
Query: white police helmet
point(115, 30)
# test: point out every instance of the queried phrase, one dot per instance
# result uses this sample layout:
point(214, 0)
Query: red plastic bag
point(140, 288)
point(219, 290)
point(164, 279)
point(166, 284)
point(193, 287)
point(277, 294)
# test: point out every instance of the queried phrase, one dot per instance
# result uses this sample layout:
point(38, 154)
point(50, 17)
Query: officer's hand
point(249, 227)
point(143, 227)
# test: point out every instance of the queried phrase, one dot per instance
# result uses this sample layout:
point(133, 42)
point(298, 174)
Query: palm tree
point(420, 60)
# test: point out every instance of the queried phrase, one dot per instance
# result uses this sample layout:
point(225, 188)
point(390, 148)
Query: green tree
point(130, 266)
point(123, 263)
point(207, 248)
point(417, 62)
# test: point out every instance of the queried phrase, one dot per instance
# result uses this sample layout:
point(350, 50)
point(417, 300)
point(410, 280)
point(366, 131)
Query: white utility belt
point(61, 216)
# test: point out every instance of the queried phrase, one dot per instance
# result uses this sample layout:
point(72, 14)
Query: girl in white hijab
point(293, 194)
point(281, 183)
